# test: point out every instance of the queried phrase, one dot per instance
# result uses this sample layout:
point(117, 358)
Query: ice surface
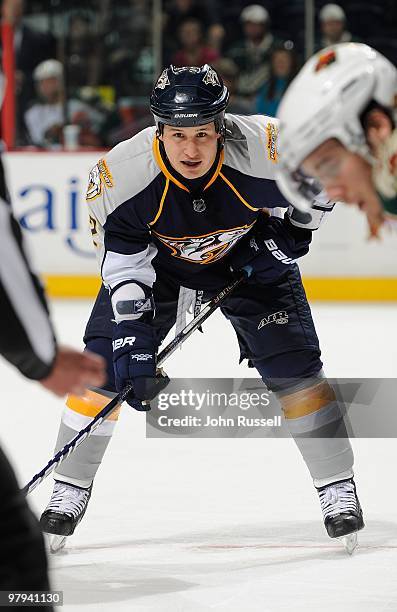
point(217, 524)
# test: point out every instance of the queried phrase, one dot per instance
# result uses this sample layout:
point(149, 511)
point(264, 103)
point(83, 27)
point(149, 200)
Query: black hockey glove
point(270, 249)
point(134, 359)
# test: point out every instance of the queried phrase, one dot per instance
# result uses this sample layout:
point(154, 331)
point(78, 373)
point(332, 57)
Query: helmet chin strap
point(159, 129)
point(221, 143)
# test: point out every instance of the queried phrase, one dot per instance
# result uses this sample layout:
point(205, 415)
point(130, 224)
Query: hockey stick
point(119, 399)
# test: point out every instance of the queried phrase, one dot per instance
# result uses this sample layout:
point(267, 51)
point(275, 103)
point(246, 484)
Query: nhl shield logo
point(199, 205)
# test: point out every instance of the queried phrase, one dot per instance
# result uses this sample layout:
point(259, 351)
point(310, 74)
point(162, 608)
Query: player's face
point(347, 177)
point(191, 150)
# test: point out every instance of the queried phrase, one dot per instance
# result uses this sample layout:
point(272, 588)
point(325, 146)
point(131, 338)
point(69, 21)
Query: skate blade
point(350, 542)
point(56, 543)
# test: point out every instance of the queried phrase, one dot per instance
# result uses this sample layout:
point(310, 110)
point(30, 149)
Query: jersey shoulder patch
point(251, 144)
point(100, 175)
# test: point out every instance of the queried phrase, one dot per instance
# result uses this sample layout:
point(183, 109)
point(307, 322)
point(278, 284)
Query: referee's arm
point(26, 335)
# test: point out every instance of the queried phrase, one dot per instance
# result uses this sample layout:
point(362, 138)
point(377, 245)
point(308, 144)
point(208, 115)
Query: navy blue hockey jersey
point(139, 208)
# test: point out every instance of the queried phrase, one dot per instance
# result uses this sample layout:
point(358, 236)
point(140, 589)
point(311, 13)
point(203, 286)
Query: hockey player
point(179, 206)
point(337, 125)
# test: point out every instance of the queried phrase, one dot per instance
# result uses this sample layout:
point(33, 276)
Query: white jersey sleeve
point(256, 137)
point(119, 213)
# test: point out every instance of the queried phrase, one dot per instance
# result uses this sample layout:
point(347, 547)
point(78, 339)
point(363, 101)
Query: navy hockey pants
point(273, 324)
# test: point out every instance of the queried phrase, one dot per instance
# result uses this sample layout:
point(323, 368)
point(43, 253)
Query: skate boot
point(342, 512)
point(65, 510)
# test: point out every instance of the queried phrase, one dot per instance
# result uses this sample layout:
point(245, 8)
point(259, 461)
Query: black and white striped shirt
point(26, 335)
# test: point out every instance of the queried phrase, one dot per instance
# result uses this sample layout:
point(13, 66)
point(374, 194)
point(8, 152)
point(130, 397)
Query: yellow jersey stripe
point(163, 167)
point(217, 170)
point(160, 210)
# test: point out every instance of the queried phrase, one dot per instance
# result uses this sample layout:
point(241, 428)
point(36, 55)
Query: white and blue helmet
point(326, 100)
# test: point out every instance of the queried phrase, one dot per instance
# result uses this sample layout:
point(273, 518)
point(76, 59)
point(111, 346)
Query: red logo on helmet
point(325, 60)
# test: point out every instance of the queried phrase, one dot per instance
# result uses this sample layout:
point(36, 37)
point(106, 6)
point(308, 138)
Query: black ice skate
point(342, 512)
point(65, 510)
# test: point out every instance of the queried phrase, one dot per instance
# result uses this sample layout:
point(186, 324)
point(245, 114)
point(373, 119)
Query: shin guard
point(315, 420)
point(82, 465)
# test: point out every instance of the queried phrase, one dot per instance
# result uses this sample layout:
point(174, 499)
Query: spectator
point(204, 11)
point(215, 37)
point(46, 119)
point(193, 51)
point(126, 48)
point(143, 69)
point(252, 54)
point(283, 67)
point(230, 73)
point(179, 11)
point(333, 26)
point(31, 48)
point(126, 121)
point(82, 67)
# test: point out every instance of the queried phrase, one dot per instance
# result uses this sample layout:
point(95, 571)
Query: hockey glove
point(134, 359)
point(311, 220)
point(270, 249)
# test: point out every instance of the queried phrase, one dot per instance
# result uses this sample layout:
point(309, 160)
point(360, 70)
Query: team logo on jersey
point(94, 188)
point(163, 80)
point(279, 318)
point(99, 175)
point(204, 249)
point(211, 78)
point(272, 133)
point(325, 60)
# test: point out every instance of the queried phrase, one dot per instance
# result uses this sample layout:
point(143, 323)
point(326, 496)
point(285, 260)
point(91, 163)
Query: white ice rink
point(191, 525)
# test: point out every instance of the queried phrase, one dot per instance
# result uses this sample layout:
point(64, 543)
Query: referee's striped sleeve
point(26, 335)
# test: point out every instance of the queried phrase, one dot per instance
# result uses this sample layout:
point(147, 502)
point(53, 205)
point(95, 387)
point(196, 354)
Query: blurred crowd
point(92, 66)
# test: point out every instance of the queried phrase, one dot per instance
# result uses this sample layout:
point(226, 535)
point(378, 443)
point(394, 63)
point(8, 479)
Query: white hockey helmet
point(326, 100)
